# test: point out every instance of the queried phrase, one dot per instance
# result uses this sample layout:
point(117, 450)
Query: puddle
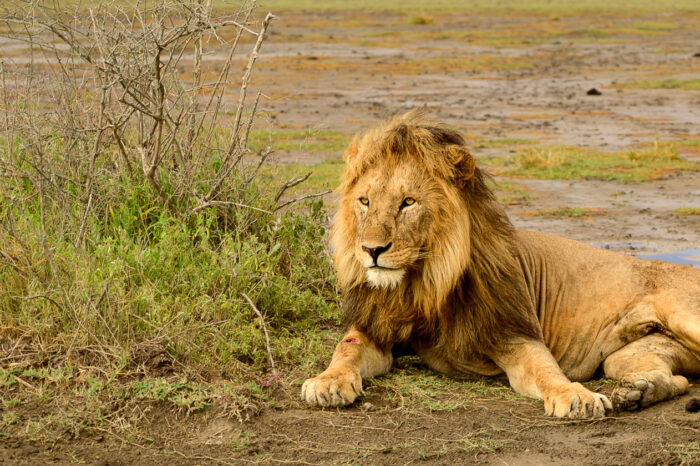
point(685, 257)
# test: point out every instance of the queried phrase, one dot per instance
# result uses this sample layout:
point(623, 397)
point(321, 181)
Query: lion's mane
point(468, 293)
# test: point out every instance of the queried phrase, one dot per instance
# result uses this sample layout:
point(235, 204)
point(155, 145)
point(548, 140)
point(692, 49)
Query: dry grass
point(680, 84)
point(687, 211)
point(567, 163)
point(585, 213)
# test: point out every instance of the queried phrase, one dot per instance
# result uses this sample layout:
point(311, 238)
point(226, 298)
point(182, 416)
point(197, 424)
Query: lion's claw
point(334, 387)
point(575, 401)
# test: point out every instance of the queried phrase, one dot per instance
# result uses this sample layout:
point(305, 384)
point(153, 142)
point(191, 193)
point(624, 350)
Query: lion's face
point(403, 214)
point(393, 213)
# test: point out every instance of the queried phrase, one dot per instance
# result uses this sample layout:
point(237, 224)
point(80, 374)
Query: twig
point(298, 199)
point(267, 335)
point(673, 426)
point(290, 184)
point(25, 383)
point(51, 300)
point(204, 205)
point(228, 166)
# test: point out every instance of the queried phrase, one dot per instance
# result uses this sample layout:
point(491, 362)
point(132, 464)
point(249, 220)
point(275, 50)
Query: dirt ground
point(344, 72)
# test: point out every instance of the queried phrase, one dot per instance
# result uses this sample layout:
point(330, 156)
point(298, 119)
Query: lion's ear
point(463, 163)
point(352, 149)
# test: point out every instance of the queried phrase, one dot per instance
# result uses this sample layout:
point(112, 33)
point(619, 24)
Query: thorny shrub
point(132, 216)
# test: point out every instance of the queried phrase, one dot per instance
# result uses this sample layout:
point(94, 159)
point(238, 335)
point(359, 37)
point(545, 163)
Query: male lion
point(428, 260)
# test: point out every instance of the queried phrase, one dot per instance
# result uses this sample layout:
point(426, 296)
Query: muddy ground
point(343, 72)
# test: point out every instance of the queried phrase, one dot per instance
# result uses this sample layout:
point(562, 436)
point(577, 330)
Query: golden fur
point(429, 262)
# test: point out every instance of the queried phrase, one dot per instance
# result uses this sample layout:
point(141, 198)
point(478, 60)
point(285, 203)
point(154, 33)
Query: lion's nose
point(374, 252)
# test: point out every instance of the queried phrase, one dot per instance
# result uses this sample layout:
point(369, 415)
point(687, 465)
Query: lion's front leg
point(355, 358)
point(533, 371)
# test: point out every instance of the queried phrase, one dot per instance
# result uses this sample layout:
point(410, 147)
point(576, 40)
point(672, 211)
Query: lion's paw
point(641, 389)
point(575, 401)
point(334, 387)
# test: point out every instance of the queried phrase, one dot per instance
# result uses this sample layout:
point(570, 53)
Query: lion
point(428, 260)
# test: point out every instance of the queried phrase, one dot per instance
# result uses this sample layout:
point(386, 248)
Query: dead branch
point(290, 184)
point(227, 166)
point(267, 335)
point(299, 199)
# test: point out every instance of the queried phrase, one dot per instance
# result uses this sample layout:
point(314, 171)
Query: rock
point(368, 406)
point(693, 405)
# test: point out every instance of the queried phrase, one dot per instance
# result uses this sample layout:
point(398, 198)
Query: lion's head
point(403, 215)
point(417, 228)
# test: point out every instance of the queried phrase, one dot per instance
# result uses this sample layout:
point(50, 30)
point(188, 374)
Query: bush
point(132, 216)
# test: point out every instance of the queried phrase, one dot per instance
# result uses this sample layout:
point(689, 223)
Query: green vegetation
point(509, 192)
point(570, 163)
point(683, 84)
point(409, 386)
point(687, 453)
point(420, 19)
point(503, 142)
point(687, 211)
point(303, 140)
point(149, 259)
point(573, 212)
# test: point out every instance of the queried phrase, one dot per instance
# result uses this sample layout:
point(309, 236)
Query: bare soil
point(336, 71)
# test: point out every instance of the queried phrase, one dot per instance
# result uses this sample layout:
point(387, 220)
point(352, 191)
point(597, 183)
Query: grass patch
point(687, 453)
point(420, 19)
point(324, 175)
point(412, 385)
point(508, 192)
point(502, 142)
point(685, 211)
point(307, 140)
point(572, 212)
point(84, 399)
point(682, 84)
point(571, 163)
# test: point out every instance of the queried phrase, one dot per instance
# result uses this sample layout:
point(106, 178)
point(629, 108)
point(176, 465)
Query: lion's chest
point(442, 359)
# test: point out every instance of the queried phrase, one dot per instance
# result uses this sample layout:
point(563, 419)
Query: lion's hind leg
point(648, 369)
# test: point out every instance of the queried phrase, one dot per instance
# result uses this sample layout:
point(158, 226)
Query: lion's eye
point(364, 201)
point(407, 202)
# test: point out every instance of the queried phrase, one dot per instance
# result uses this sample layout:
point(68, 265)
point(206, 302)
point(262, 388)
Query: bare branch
point(228, 203)
point(228, 166)
point(290, 184)
point(299, 199)
point(267, 335)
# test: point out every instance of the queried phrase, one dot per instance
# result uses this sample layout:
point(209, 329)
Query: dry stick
point(228, 203)
point(226, 170)
point(290, 184)
point(267, 335)
point(249, 125)
point(217, 92)
point(41, 296)
point(196, 79)
point(261, 161)
point(298, 199)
